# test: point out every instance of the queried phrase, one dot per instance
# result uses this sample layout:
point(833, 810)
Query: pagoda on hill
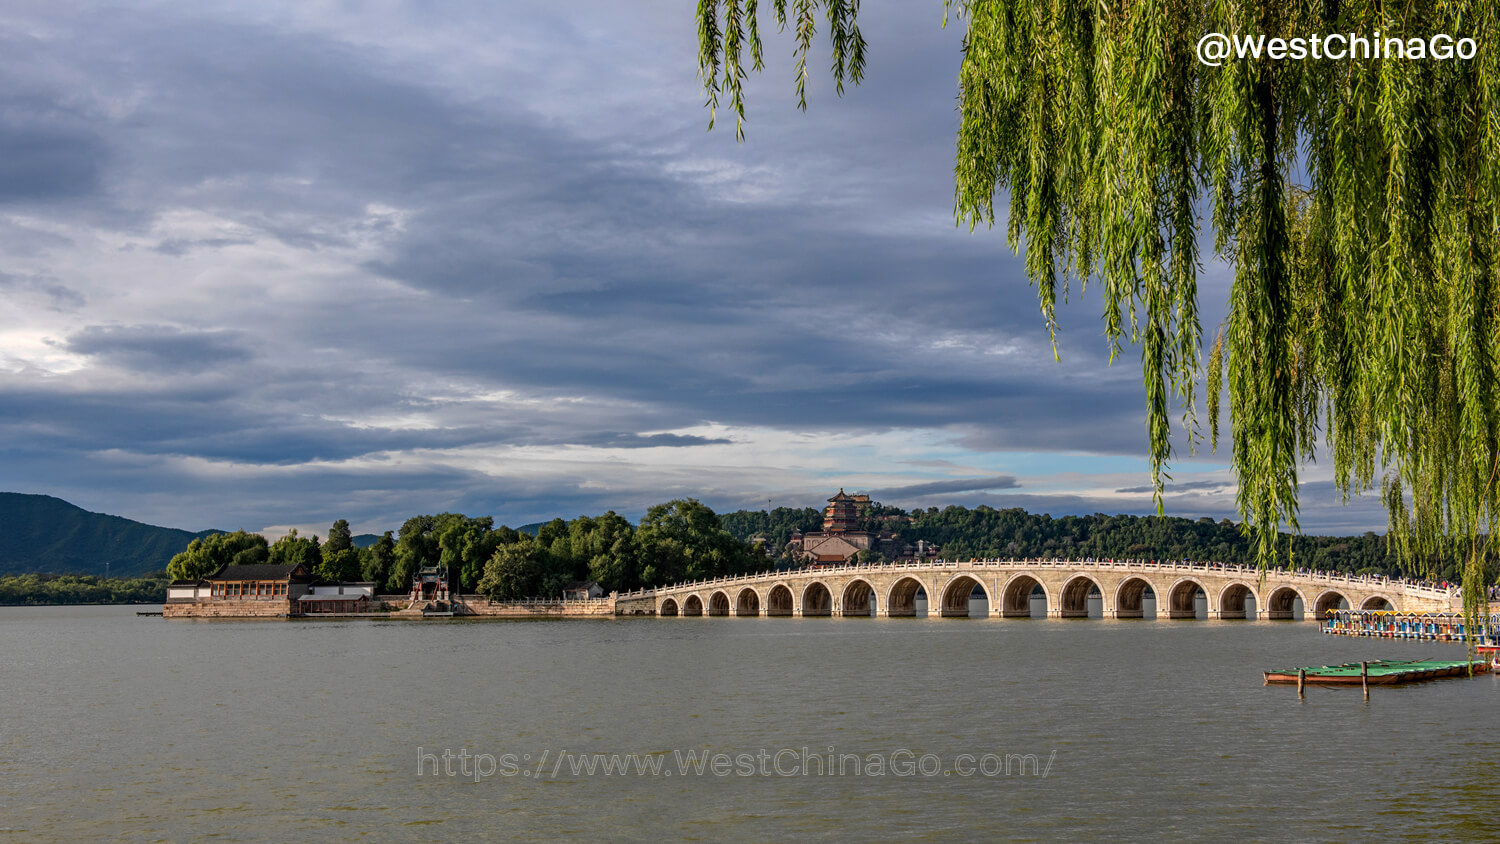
point(841, 539)
point(843, 512)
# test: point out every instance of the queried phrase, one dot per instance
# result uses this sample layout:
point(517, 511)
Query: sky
point(266, 265)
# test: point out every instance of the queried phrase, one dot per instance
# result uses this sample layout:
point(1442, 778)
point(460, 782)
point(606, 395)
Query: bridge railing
point(1410, 587)
point(585, 602)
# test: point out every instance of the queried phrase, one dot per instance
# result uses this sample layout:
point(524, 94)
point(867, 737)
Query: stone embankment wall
point(227, 609)
point(397, 606)
point(601, 608)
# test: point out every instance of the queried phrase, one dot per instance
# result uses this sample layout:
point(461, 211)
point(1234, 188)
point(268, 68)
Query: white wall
point(350, 590)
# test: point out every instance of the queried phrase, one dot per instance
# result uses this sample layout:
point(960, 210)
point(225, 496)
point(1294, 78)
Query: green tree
point(293, 549)
point(339, 538)
point(1356, 202)
point(550, 533)
point(683, 540)
point(453, 540)
point(465, 547)
point(515, 571)
point(204, 556)
point(379, 559)
point(339, 566)
point(607, 543)
point(777, 526)
point(82, 589)
point(416, 548)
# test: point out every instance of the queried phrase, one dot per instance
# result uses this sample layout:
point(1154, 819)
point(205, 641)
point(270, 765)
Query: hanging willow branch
point(726, 27)
point(1357, 202)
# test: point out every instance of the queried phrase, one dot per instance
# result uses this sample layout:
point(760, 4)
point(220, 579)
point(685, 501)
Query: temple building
point(254, 590)
point(430, 584)
point(840, 539)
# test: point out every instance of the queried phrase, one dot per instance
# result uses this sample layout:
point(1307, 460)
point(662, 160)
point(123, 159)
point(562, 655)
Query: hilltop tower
point(843, 512)
point(841, 539)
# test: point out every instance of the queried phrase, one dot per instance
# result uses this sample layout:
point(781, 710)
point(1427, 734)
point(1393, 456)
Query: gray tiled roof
point(255, 572)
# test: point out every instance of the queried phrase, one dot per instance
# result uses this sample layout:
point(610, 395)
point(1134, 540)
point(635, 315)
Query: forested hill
point(39, 533)
point(986, 532)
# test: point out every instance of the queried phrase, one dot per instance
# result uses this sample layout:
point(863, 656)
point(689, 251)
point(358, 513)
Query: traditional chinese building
point(430, 584)
point(843, 512)
point(256, 590)
point(840, 539)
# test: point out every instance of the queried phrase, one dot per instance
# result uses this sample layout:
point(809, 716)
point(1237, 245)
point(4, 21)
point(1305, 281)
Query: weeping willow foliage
point(1356, 201)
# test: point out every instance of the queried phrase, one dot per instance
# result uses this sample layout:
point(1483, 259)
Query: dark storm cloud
point(1175, 486)
point(178, 246)
point(629, 440)
point(165, 493)
point(1321, 509)
point(216, 423)
point(59, 296)
point(810, 280)
point(48, 153)
point(270, 426)
point(945, 487)
point(655, 289)
point(160, 348)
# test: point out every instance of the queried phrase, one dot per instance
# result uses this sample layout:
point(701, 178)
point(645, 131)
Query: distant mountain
point(364, 540)
point(532, 528)
point(39, 533)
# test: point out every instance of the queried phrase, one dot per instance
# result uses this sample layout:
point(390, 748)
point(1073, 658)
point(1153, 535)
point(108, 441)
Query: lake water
point(138, 728)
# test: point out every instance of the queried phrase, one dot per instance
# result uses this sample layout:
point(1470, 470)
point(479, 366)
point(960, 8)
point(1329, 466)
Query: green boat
point(1379, 672)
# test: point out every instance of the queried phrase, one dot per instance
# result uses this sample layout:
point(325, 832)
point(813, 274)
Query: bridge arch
point(779, 601)
point(1280, 602)
point(1377, 602)
point(1130, 597)
point(693, 605)
point(668, 607)
point(1329, 601)
point(902, 599)
point(817, 600)
point(718, 603)
point(1015, 596)
point(747, 603)
point(1075, 596)
point(1182, 598)
point(956, 596)
point(856, 599)
point(1231, 601)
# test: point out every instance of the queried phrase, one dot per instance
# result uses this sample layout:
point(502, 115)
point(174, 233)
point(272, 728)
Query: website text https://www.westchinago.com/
point(1215, 48)
point(464, 764)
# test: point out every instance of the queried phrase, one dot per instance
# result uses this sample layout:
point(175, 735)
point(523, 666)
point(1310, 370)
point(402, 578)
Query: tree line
point(678, 540)
point(82, 589)
point(962, 533)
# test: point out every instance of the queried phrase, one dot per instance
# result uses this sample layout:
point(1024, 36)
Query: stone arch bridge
point(892, 590)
